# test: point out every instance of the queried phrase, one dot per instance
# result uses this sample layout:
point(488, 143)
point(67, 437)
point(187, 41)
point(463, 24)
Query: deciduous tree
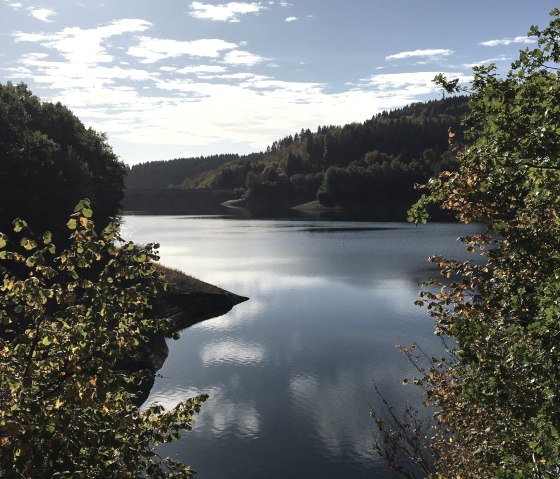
point(497, 402)
point(49, 161)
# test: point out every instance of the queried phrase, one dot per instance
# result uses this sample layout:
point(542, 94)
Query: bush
point(497, 401)
point(69, 320)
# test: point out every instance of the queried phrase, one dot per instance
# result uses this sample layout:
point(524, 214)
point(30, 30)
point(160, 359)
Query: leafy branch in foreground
point(69, 321)
point(497, 412)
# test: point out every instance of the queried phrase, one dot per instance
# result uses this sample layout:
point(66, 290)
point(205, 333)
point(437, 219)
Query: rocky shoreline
point(189, 302)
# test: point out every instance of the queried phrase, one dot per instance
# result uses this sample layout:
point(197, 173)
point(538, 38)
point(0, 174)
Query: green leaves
point(448, 86)
point(498, 401)
point(68, 324)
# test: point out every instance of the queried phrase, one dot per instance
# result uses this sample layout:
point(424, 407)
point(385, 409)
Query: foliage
point(69, 323)
point(172, 173)
point(375, 182)
point(497, 402)
point(49, 161)
point(229, 176)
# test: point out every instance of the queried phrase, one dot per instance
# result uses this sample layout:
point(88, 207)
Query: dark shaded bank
point(189, 302)
point(314, 210)
point(267, 201)
point(177, 201)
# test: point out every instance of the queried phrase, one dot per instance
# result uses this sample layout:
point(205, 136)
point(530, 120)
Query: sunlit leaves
point(498, 401)
point(19, 225)
point(47, 237)
point(69, 322)
point(28, 243)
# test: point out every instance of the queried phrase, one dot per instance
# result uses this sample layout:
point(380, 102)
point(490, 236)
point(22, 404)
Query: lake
point(291, 372)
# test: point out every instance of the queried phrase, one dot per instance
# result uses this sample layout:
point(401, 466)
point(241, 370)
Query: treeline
point(173, 173)
point(49, 161)
point(378, 160)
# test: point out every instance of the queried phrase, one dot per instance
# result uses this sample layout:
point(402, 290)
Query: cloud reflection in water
point(220, 416)
point(232, 351)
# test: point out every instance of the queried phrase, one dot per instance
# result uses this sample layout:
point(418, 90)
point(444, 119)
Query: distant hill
point(171, 173)
point(354, 165)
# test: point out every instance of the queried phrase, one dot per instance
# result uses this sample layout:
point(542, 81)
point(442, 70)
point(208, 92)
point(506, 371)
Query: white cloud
point(291, 19)
point(65, 75)
point(406, 84)
point(501, 58)
point(435, 52)
point(28, 57)
point(84, 46)
point(150, 50)
point(220, 106)
point(202, 69)
point(507, 41)
point(403, 88)
point(14, 5)
point(43, 14)
point(227, 76)
point(240, 57)
point(259, 109)
point(228, 12)
point(262, 82)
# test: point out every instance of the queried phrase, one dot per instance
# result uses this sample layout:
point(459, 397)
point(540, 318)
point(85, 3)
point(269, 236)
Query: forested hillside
point(49, 161)
point(165, 174)
point(355, 164)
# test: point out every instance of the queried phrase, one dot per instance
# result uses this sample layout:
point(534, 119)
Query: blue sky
point(175, 78)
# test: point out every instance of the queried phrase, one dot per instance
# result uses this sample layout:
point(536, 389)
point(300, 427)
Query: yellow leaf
point(28, 244)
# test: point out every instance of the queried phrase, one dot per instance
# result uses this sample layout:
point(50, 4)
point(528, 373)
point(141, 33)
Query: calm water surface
point(291, 372)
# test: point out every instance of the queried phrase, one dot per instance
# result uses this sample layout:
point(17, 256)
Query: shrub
point(69, 320)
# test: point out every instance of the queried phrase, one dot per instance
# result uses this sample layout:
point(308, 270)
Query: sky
point(179, 78)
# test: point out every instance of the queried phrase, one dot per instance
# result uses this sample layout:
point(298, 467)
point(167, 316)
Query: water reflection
point(328, 417)
point(236, 318)
point(220, 415)
point(232, 351)
point(290, 373)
